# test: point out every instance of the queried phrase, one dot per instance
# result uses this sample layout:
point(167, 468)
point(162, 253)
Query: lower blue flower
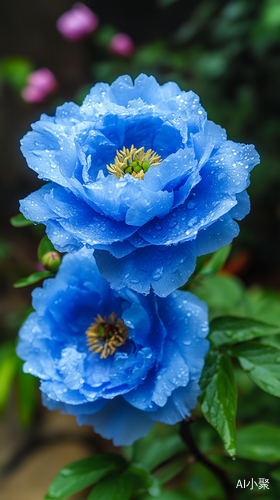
point(119, 361)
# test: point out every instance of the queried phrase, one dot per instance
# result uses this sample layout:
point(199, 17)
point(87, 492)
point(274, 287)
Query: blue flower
point(119, 361)
point(140, 175)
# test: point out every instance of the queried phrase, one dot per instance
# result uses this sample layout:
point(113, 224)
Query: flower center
point(134, 162)
point(104, 336)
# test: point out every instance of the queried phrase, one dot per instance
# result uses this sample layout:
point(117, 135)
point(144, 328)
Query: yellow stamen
point(125, 157)
point(104, 336)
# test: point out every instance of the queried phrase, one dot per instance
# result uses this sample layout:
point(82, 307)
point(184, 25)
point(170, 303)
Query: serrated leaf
point(114, 487)
point(259, 442)
point(78, 475)
point(219, 397)
point(262, 363)
point(20, 221)
point(230, 330)
point(33, 278)
point(45, 246)
point(215, 264)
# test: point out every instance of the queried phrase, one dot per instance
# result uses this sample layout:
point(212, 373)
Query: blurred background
point(228, 52)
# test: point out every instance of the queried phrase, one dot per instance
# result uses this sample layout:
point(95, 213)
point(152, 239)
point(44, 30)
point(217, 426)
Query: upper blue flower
point(145, 231)
point(119, 372)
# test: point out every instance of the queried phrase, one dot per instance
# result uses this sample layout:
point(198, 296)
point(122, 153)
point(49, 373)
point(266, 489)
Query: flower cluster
point(146, 230)
point(117, 360)
point(140, 178)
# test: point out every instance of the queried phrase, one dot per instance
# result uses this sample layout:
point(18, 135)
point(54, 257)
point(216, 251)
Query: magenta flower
point(43, 79)
point(122, 44)
point(77, 23)
point(33, 95)
point(40, 84)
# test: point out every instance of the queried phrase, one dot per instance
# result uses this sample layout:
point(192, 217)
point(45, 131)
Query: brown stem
point(187, 437)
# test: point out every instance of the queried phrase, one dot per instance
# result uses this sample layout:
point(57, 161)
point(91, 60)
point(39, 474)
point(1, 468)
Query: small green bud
point(51, 261)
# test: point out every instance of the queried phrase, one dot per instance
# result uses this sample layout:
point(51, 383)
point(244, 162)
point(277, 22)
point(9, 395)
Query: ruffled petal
point(178, 406)
point(163, 268)
point(119, 421)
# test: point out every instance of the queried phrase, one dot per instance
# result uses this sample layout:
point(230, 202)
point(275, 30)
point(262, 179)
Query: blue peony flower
point(140, 175)
point(119, 361)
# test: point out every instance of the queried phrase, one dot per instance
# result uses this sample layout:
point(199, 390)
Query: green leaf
point(263, 305)
point(33, 278)
point(170, 470)
point(166, 495)
point(15, 70)
point(259, 442)
point(272, 340)
point(275, 474)
point(20, 221)
point(219, 398)
point(202, 484)
point(45, 246)
point(216, 263)
point(154, 449)
point(27, 393)
point(114, 487)
point(8, 364)
point(262, 363)
point(230, 330)
point(78, 475)
point(224, 295)
point(140, 475)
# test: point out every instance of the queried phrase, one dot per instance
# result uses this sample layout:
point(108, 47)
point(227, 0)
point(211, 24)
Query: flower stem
point(188, 439)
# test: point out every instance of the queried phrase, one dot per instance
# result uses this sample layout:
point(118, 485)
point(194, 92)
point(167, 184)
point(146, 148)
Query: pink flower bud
point(43, 79)
point(122, 44)
point(77, 23)
point(39, 267)
point(33, 95)
point(51, 261)
point(40, 84)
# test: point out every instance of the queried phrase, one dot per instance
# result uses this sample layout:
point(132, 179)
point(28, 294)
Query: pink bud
point(40, 84)
point(122, 44)
point(33, 95)
point(43, 79)
point(77, 23)
point(39, 267)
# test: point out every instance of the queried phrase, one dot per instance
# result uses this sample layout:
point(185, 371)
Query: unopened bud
point(40, 84)
point(51, 261)
point(122, 44)
point(77, 23)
